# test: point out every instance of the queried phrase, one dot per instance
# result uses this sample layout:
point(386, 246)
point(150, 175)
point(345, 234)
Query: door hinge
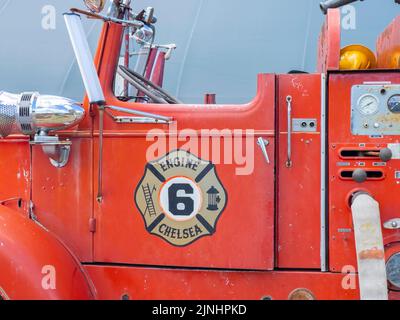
point(92, 225)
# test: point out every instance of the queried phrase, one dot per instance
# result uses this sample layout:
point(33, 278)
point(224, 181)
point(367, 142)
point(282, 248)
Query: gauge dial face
point(368, 104)
point(394, 104)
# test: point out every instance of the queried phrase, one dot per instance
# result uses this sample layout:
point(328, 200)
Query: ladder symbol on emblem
point(148, 196)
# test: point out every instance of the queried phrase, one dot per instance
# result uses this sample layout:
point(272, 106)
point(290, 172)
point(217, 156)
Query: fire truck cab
point(290, 196)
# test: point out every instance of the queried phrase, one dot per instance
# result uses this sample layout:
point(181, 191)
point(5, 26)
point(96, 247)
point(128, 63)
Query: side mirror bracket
point(57, 150)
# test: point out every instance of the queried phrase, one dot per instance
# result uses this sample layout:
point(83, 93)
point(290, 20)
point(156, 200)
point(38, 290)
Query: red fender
point(34, 265)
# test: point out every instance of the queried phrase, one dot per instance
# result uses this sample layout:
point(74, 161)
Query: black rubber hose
point(153, 91)
point(329, 4)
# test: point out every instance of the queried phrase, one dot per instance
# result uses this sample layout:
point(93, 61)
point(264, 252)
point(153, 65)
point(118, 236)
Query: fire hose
point(369, 247)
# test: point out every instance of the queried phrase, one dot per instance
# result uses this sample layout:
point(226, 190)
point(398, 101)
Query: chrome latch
point(57, 150)
point(263, 143)
point(393, 224)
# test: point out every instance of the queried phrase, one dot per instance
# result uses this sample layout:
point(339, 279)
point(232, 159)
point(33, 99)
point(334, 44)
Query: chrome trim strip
point(323, 253)
point(140, 113)
point(289, 125)
point(138, 120)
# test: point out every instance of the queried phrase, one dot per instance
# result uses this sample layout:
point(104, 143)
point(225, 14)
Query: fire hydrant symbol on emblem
point(180, 198)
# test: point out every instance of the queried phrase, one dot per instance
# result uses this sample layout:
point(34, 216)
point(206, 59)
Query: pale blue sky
point(222, 44)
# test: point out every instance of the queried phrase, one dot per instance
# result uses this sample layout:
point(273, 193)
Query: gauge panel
point(375, 109)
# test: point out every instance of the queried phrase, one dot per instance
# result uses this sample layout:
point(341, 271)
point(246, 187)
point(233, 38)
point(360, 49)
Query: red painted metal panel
point(299, 186)
point(63, 196)
point(142, 284)
point(35, 265)
point(15, 168)
point(157, 75)
point(329, 43)
point(15, 172)
point(244, 234)
point(388, 46)
point(385, 191)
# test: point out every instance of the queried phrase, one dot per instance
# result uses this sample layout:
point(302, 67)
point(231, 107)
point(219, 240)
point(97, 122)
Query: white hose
point(369, 247)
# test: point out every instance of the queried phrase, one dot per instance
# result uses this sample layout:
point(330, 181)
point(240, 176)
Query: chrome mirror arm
point(141, 113)
point(135, 24)
point(132, 23)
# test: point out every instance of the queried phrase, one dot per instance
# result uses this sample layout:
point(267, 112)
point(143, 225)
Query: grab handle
point(289, 162)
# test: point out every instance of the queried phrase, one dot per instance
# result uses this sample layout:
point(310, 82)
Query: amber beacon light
point(357, 57)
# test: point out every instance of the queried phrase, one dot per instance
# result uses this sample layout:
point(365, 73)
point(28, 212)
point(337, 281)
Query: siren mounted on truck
point(36, 115)
point(30, 113)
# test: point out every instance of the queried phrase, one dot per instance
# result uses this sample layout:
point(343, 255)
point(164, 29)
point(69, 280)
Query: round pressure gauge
point(394, 103)
point(368, 104)
point(393, 270)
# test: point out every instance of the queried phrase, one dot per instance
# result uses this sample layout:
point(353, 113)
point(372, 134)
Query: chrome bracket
point(57, 150)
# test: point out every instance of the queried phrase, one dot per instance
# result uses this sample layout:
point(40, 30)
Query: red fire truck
point(134, 194)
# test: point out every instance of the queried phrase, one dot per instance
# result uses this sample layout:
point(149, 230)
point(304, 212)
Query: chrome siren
point(30, 113)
